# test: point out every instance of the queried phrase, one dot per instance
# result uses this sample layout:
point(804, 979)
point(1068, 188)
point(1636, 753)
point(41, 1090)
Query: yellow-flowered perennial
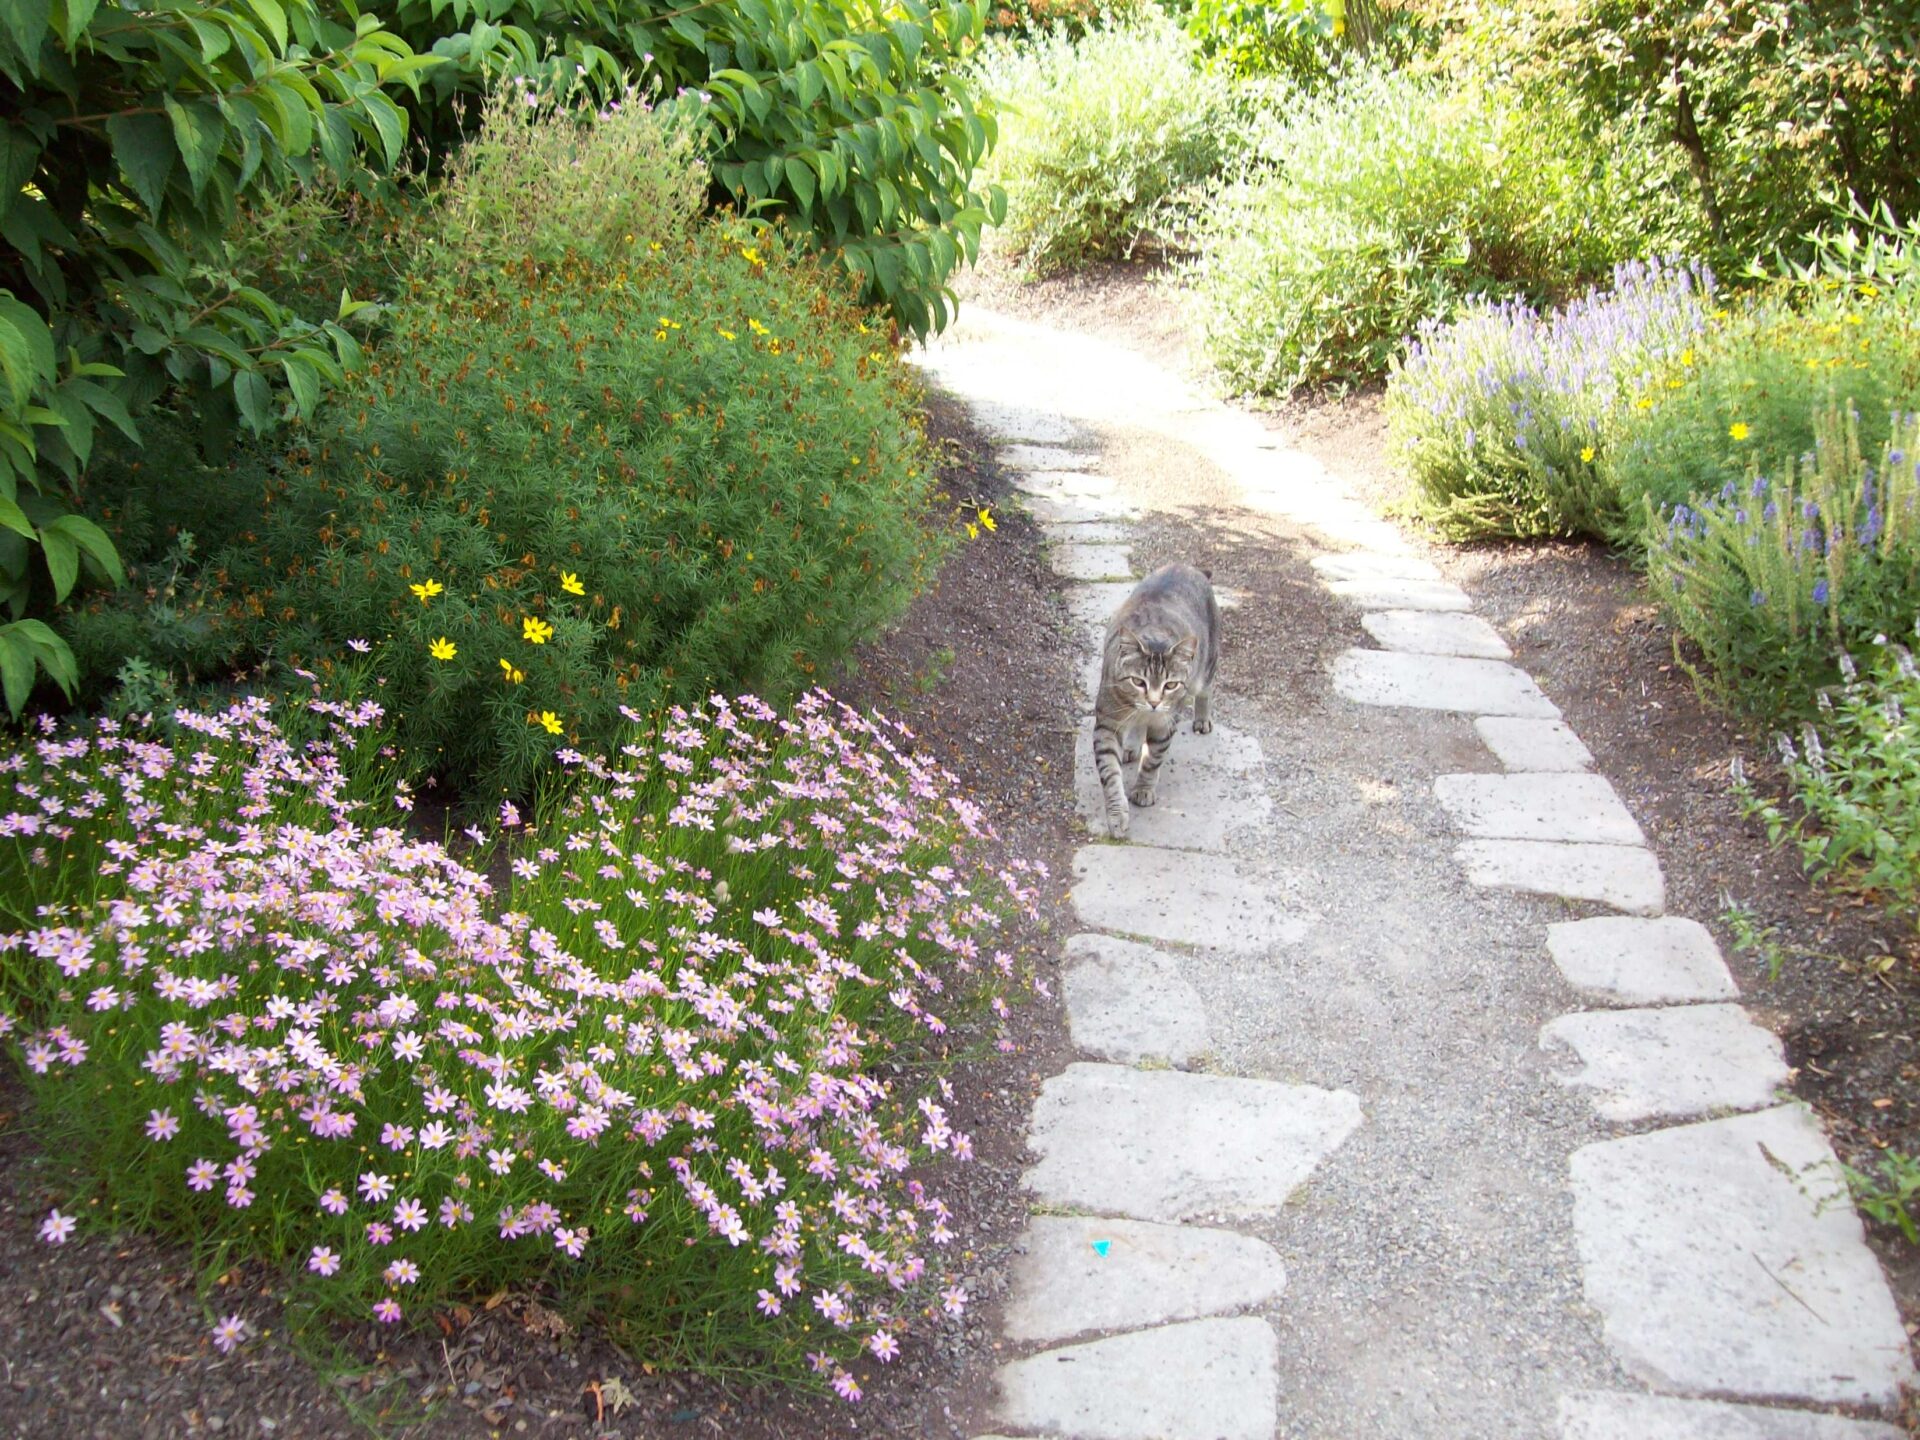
point(442, 649)
point(1738, 430)
point(570, 583)
point(535, 632)
point(426, 591)
point(550, 720)
point(513, 676)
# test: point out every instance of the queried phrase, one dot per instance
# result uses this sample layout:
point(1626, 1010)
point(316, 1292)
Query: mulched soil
point(109, 1337)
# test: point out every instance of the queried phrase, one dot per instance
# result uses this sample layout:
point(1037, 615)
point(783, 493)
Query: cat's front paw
point(1202, 727)
point(1117, 825)
point(1142, 796)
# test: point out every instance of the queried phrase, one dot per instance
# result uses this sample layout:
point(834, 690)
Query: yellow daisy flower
point(550, 720)
point(442, 649)
point(570, 583)
point(1738, 430)
point(426, 591)
point(513, 676)
point(535, 632)
point(986, 520)
point(1587, 454)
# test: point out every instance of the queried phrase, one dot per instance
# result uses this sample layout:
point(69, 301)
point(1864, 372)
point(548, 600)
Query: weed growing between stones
point(684, 1073)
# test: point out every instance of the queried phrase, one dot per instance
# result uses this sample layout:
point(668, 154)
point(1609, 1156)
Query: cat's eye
point(1138, 680)
point(1174, 684)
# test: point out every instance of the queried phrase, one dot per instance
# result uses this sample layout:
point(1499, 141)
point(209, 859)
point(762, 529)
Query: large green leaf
point(200, 134)
point(26, 351)
point(143, 147)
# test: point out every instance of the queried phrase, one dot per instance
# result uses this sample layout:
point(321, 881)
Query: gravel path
point(1493, 1186)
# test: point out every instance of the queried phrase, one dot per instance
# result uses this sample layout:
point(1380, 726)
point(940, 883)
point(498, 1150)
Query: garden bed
point(109, 1337)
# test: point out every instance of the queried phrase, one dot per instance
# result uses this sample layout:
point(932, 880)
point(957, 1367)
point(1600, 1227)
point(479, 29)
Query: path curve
point(1405, 1110)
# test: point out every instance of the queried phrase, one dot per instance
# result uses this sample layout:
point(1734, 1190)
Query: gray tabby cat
point(1162, 649)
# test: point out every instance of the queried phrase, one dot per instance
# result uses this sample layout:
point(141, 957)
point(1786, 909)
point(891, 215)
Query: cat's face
point(1153, 673)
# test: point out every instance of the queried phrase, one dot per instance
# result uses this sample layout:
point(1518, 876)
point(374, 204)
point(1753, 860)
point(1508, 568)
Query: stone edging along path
point(1713, 1253)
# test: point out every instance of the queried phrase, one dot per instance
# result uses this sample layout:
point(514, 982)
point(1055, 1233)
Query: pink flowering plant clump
point(685, 1072)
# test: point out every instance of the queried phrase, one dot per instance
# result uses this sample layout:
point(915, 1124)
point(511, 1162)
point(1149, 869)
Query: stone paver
point(1533, 745)
point(1624, 960)
point(1089, 532)
point(1436, 632)
point(1202, 1380)
point(1373, 565)
point(1005, 421)
point(1386, 593)
point(1065, 483)
point(1623, 876)
point(1090, 562)
point(1080, 1276)
point(1610, 1415)
point(1538, 807)
point(1725, 1260)
point(1439, 682)
point(1128, 1003)
point(1172, 1145)
point(1178, 895)
point(1210, 785)
point(1092, 606)
point(1047, 457)
point(1078, 509)
point(1677, 1063)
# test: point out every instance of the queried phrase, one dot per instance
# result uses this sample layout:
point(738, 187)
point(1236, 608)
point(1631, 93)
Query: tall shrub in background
point(1097, 133)
point(1779, 111)
point(1387, 201)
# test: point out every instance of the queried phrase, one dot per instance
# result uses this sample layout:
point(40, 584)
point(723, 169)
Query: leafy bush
point(1308, 42)
point(1775, 574)
point(1097, 132)
point(1502, 416)
point(1754, 382)
point(1389, 200)
point(683, 1072)
point(611, 455)
point(1774, 108)
point(1856, 780)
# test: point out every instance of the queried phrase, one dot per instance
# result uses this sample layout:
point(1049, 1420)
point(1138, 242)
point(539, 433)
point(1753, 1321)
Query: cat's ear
point(1186, 650)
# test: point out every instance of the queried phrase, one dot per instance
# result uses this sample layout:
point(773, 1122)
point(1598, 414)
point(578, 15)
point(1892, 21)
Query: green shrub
point(1856, 780)
point(580, 478)
point(683, 1072)
point(1501, 416)
point(1775, 574)
point(1753, 384)
point(1385, 201)
point(1308, 42)
point(1097, 133)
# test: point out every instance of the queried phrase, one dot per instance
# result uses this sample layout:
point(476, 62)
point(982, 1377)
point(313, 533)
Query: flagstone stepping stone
point(1667, 1064)
point(1178, 895)
point(1047, 457)
point(1623, 960)
point(1608, 1415)
point(1090, 562)
point(1175, 1145)
point(1092, 606)
point(1079, 509)
point(1201, 1380)
point(1533, 745)
point(1373, 565)
point(1128, 1003)
point(1624, 876)
point(1064, 482)
point(1435, 632)
point(1019, 422)
point(1386, 593)
point(1210, 786)
point(1080, 1276)
point(1089, 532)
point(1439, 682)
point(1725, 1259)
point(1538, 807)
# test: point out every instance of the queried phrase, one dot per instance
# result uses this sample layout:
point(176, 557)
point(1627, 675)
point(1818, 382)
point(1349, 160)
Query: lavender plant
point(1504, 415)
point(685, 1073)
point(1775, 574)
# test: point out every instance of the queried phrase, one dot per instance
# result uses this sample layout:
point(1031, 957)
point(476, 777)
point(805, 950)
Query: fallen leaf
point(614, 1390)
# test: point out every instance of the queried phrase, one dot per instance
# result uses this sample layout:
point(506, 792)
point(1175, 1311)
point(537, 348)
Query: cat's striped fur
point(1162, 651)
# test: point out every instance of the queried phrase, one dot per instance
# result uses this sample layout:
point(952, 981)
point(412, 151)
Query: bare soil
point(109, 1337)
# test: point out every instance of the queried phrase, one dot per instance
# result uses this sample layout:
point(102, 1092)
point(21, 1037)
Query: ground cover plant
point(611, 453)
point(1503, 417)
point(1774, 576)
point(682, 1071)
point(1385, 201)
point(1097, 132)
